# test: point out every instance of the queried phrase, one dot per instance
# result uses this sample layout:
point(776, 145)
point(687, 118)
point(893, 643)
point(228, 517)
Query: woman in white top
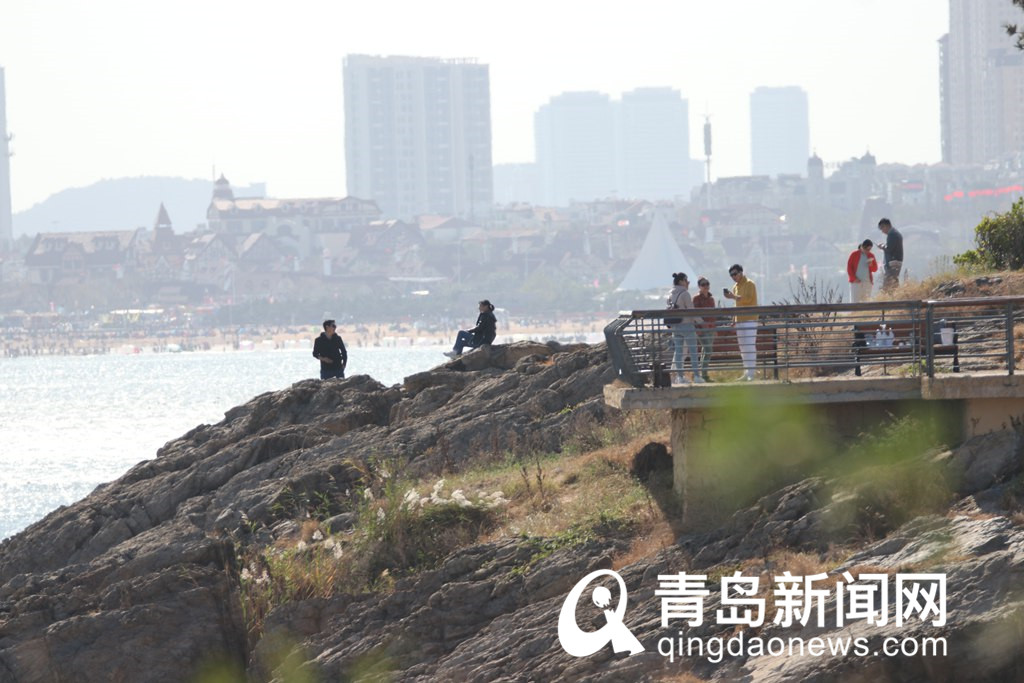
point(685, 331)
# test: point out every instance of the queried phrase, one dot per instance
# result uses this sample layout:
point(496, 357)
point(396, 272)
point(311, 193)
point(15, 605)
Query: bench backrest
point(727, 344)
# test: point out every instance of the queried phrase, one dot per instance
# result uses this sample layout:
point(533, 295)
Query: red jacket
point(854, 261)
point(701, 301)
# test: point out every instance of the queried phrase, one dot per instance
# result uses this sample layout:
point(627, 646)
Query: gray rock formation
point(140, 580)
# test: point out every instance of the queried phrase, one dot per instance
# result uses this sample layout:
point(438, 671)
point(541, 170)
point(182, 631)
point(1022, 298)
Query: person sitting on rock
point(484, 333)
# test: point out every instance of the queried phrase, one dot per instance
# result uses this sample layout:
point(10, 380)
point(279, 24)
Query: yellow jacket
point(746, 290)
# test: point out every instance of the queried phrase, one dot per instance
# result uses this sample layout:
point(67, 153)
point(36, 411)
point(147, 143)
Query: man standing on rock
point(893, 260)
point(329, 349)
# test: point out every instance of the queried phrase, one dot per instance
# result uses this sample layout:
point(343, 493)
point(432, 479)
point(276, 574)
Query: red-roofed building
point(56, 256)
point(296, 222)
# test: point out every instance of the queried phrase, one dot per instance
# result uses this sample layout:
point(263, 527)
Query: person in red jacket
point(860, 267)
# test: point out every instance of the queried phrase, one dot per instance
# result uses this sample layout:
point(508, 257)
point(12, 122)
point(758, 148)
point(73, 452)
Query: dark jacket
point(486, 328)
point(332, 347)
point(893, 246)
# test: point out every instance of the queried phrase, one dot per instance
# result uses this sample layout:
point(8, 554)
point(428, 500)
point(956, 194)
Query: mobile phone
point(725, 291)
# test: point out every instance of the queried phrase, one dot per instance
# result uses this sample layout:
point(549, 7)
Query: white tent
point(659, 257)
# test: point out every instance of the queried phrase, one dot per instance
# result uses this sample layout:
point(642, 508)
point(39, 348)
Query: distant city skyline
point(102, 90)
point(590, 146)
point(779, 131)
point(418, 135)
point(981, 84)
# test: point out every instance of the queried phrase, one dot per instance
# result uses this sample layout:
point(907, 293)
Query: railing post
point(929, 339)
point(1009, 339)
point(640, 346)
point(621, 358)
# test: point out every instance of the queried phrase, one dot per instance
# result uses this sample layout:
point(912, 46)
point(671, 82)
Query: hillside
point(430, 531)
point(118, 204)
point(957, 285)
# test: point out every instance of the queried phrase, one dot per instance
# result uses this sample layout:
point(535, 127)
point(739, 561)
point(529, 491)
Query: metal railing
point(812, 340)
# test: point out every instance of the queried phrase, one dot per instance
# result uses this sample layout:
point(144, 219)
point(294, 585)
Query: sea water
point(68, 424)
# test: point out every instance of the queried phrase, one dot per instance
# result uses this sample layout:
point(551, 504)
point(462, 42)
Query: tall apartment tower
point(592, 147)
point(418, 135)
point(780, 136)
point(6, 223)
point(654, 134)
point(574, 135)
point(981, 83)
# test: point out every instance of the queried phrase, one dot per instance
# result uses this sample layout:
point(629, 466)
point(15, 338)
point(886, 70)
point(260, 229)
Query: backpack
point(669, 322)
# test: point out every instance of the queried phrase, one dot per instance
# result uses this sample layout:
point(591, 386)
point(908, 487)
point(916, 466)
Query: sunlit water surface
point(68, 424)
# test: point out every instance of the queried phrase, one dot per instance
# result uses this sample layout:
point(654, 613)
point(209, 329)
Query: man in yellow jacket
point(744, 292)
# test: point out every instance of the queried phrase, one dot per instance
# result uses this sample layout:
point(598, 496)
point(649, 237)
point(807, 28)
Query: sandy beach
point(86, 342)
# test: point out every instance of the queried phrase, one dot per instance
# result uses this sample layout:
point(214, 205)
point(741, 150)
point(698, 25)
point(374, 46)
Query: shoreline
point(88, 343)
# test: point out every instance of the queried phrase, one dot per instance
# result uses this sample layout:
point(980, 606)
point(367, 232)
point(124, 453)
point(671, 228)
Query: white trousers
point(746, 337)
point(860, 291)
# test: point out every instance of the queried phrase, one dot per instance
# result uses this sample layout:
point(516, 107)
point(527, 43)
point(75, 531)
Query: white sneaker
point(451, 354)
point(679, 378)
point(749, 377)
point(697, 379)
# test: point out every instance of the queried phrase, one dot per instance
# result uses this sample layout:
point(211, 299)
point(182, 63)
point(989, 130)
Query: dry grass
point(681, 678)
point(1012, 282)
point(564, 498)
point(551, 494)
point(308, 530)
point(646, 545)
point(1018, 342)
point(804, 563)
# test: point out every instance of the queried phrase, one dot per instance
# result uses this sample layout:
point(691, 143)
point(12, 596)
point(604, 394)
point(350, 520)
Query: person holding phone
point(893, 259)
point(744, 293)
point(859, 267)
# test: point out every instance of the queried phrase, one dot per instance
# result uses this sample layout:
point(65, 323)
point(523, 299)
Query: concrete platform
point(819, 391)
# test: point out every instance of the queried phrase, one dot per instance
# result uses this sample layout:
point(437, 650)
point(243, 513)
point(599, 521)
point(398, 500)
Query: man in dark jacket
point(484, 333)
point(893, 260)
point(329, 349)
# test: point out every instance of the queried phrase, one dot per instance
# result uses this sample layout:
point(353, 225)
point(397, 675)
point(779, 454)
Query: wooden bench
point(725, 348)
point(725, 352)
point(907, 335)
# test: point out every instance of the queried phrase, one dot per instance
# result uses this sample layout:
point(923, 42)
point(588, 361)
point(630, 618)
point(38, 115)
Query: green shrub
point(999, 241)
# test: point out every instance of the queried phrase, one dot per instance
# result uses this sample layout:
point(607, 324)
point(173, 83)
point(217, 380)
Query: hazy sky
point(111, 88)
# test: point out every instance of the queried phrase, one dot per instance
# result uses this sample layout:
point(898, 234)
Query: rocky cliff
point(142, 580)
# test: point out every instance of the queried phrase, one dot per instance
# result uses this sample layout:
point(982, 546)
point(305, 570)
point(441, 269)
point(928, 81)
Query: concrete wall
point(713, 486)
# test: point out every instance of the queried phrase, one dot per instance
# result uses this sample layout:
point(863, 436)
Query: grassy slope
point(555, 501)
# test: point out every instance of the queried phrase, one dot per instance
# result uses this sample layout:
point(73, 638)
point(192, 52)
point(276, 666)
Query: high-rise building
point(981, 84)
point(418, 135)
point(591, 147)
point(6, 224)
point(780, 137)
point(654, 134)
point(575, 138)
